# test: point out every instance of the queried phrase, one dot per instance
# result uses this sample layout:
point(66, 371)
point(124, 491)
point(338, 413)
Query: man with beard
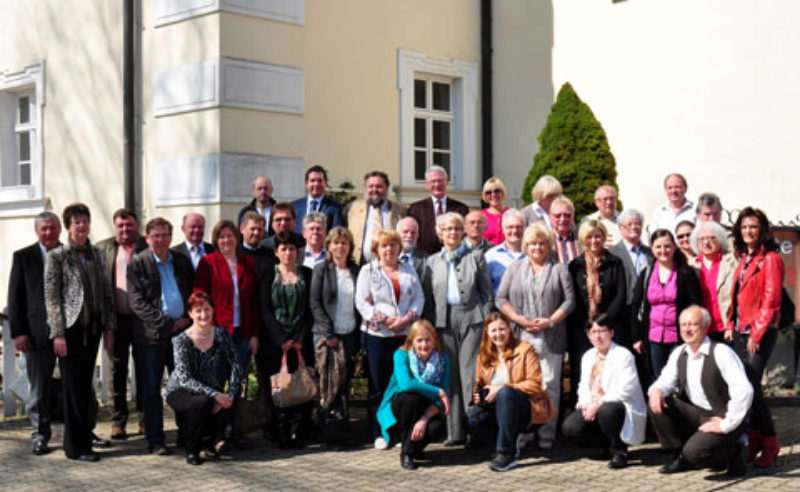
point(408, 229)
point(371, 214)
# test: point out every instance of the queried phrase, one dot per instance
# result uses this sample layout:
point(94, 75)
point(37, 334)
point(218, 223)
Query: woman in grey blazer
point(536, 294)
point(79, 308)
point(458, 296)
point(333, 287)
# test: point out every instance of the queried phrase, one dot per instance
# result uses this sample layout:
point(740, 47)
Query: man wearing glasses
point(605, 197)
point(562, 218)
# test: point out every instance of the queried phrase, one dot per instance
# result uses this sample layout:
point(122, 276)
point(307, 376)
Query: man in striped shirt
point(562, 218)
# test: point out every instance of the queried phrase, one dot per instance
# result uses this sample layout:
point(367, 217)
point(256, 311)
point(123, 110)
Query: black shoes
point(194, 459)
point(737, 467)
point(677, 465)
point(100, 443)
point(619, 459)
point(40, 447)
point(159, 449)
point(407, 462)
point(90, 457)
point(502, 462)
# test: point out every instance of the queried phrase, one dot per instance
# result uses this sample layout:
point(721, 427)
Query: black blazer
point(26, 311)
point(323, 296)
point(268, 231)
point(274, 334)
point(144, 289)
point(688, 294)
point(612, 282)
point(181, 249)
point(423, 212)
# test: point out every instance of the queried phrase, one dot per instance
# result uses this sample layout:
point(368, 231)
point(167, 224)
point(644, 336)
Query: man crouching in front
point(699, 402)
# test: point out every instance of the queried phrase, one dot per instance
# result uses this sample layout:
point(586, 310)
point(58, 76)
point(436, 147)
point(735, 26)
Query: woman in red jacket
point(229, 278)
point(753, 322)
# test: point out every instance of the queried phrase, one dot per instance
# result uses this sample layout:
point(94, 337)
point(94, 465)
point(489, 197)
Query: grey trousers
point(39, 365)
point(460, 342)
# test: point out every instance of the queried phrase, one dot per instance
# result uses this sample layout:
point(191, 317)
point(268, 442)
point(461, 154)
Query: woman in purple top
point(662, 291)
point(494, 194)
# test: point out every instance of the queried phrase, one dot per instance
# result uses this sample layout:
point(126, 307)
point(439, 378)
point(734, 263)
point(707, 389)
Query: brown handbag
point(290, 389)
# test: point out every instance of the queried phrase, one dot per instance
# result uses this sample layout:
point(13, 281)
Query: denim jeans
point(510, 414)
point(380, 360)
point(659, 353)
point(153, 359)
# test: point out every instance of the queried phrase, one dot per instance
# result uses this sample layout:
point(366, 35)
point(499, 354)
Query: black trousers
point(193, 412)
point(676, 427)
point(39, 364)
point(290, 423)
point(77, 375)
point(407, 408)
point(754, 365)
point(123, 342)
point(606, 426)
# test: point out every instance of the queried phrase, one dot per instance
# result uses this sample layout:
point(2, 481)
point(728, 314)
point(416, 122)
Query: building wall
point(708, 89)
point(80, 42)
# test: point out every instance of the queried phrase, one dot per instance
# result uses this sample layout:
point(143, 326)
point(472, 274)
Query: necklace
point(203, 337)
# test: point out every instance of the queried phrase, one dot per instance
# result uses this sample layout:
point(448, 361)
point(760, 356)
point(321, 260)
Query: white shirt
point(444, 204)
point(664, 218)
point(195, 252)
point(345, 320)
point(500, 376)
point(366, 249)
point(309, 198)
point(44, 252)
point(537, 210)
point(638, 258)
point(732, 370)
point(265, 212)
point(453, 296)
point(613, 235)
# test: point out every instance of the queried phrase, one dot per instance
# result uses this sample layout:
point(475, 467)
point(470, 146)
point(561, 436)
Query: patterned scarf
point(428, 372)
point(593, 289)
point(454, 256)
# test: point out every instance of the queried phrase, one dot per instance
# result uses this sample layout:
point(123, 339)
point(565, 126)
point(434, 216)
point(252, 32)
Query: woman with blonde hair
point(508, 390)
point(494, 194)
point(416, 399)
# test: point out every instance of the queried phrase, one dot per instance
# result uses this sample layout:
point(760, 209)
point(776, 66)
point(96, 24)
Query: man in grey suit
point(635, 257)
point(28, 319)
point(408, 229)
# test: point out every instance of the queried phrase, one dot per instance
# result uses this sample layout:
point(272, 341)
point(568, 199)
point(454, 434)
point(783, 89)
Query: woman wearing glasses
point(494, 194)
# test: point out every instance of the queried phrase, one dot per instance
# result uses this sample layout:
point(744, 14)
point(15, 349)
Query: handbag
point(290, 389)
point(252, 410)
point(787, 312)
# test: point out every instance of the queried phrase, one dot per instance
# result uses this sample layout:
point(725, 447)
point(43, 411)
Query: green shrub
point(574, 149)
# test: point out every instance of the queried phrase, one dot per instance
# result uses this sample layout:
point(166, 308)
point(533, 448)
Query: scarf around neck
point(429, 372)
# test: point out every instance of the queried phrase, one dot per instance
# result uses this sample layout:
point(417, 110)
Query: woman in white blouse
point(388, 297)
point(609, 396)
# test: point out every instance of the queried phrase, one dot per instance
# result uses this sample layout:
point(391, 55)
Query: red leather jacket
point(759, 297)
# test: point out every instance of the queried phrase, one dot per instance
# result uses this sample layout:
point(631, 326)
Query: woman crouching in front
point(416, 399)
point(508, 390)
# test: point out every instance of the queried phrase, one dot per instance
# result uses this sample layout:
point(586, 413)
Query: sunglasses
point(684, 236)
point(493, 192)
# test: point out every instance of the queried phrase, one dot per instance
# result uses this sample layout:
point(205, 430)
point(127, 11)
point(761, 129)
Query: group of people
point(462, 318)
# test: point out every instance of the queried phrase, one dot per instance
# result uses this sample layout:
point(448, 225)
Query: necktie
point(377, 220)
point(404, 258)
point(314, 204)
point(439, 210)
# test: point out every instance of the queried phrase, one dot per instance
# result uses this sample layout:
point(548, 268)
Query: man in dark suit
point(409, 233)
point(635, 257)
point(28, 319)
point(193, 247)
point(119, 249)
point(316, 201)
point(262, 202)
point(159, 283)
point(426, 210)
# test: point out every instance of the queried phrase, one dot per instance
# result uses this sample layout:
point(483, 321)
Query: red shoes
point(769, 452)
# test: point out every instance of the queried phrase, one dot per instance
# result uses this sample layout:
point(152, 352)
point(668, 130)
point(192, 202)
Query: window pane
point(24, 174)
point(441, 135)
point(25, 146)
point(441, 96)
point(420, 166)
point(419, 132)
point(442, 159)
point(24, 110)
point(419, 93)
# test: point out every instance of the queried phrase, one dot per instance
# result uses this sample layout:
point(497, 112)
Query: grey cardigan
point(474, 288)
point(324, 288)
point(558, 294)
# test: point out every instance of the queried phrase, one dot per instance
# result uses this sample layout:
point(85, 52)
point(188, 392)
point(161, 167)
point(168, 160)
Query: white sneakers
point(381, 444)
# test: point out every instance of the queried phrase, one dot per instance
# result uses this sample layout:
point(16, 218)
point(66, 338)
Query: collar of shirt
point(158, 260)
point(570, 237)
point(43, 250)
point(704, 350)
point(309, 198)
point(629, 246)
point(444, 202)
point(687, 205)
point(309, 254)
point(200, 247)
point(407, 256)
point(248, 247)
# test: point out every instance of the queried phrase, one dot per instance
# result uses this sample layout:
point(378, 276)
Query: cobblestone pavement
point(259, 465)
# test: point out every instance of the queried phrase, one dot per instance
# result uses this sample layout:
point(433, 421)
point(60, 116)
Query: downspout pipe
point(129, 102)
point(487, 147)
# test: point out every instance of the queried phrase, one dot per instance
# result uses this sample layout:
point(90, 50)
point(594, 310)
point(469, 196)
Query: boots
point(754, 440)
point(769, 452)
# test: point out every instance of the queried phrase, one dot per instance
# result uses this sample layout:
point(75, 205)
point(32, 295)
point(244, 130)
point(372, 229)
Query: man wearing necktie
point(374, 212)
point(426, 210)
point(193, 247)
point(316, 181)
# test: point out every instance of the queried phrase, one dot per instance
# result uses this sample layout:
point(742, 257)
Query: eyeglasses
point(493, 192)
point(684, 236)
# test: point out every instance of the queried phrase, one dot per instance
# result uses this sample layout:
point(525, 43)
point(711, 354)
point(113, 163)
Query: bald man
point(262, 202)
point(193, 247)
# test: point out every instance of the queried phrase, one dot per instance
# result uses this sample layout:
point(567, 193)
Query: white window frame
point(26, 199)
point(430, 115)
point(464, 136)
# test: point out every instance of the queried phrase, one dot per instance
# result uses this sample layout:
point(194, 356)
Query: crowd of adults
point(461, 318)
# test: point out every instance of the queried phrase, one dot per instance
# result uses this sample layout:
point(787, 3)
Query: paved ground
point(260, 466)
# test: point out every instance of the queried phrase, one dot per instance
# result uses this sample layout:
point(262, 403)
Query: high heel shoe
point(754, 444)
point(769, 452)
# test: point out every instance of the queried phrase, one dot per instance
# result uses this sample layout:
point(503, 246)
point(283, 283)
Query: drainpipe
point(129, 102)
point(487, 150)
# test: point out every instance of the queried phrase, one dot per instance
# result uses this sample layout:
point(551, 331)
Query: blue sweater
point(403, 381)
